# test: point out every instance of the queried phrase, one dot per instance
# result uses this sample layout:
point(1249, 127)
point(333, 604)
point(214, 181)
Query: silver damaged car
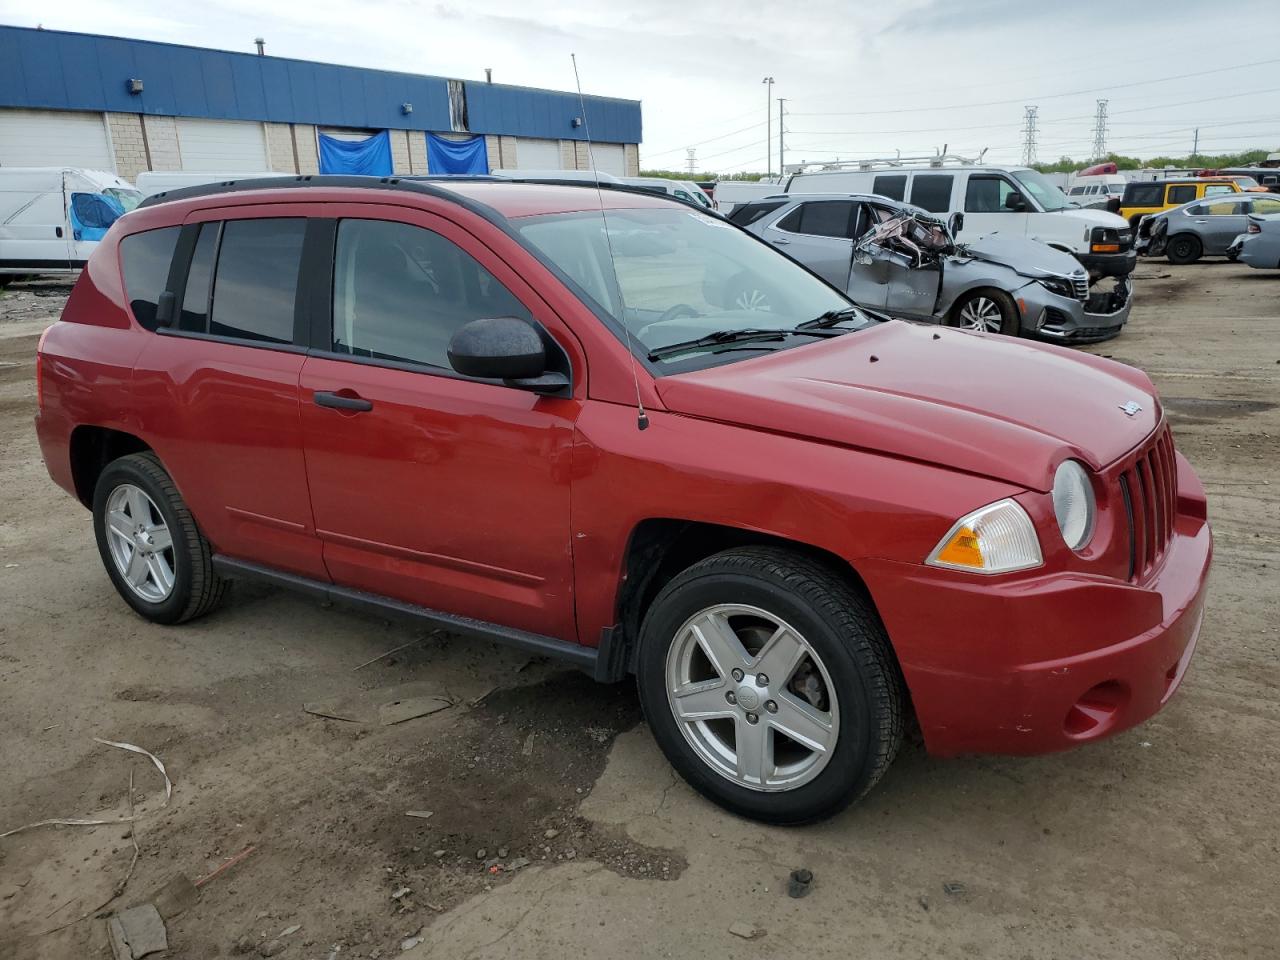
point(898, 259)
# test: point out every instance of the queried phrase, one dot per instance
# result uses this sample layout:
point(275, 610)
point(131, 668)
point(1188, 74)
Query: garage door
point(222, 146)
point(537, 154)
point(48, 138)
point(610, 158)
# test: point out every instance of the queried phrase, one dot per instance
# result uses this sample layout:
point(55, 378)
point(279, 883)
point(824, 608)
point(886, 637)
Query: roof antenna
point(642, 418)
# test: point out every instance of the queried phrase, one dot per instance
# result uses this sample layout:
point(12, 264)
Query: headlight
point(998, 538)
point(1073, 504)
point(1059, 285)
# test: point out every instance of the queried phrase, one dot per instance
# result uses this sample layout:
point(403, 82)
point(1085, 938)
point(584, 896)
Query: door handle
point(1202, 221)
point(326, 398)
point(780, 242)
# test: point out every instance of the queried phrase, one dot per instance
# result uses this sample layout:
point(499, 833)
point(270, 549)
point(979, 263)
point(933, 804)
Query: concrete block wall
point(631, 155)
point(127, 145)
point(418, 152)
point(304, 135)
point(280, 148)
point(502, 152)
point(492, 149)
point(568, 156)
point(162, 142)
point(400, 155)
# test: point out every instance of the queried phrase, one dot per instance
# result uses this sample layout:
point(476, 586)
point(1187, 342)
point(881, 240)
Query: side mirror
point(507, 349)
point(1015, 202)
point(955, 224)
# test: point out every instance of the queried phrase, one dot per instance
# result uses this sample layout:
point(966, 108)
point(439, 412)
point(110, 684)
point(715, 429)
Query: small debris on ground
point(953, 889)
point(270, 948)
point(552, 833)
point(799, 884)
point(290, 931)
point(518, 863)
point(747, 931)
point(419, 814)
point(137, 932)
point(401, 893)
point(176, 896)
point(408, 943)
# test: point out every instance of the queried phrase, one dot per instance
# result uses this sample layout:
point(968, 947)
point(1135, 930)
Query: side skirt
point(601, 663)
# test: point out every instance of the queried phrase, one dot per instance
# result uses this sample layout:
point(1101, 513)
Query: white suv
point(1016, 200)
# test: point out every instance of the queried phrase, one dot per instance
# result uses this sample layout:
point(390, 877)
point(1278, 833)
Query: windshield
point(1046, 194)
point(128, 199)
point(678, 274)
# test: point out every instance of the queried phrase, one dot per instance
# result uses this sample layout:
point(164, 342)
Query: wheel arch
point(91, 449)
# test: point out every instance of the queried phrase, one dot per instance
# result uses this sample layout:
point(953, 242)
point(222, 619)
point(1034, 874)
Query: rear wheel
point(988, 311)
point(154, 553)
point(1184, 248)
point(770, 686)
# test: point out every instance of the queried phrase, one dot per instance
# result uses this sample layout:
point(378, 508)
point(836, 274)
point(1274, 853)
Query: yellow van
point(1142, 197)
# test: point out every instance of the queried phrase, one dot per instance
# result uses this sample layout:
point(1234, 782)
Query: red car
point(532, 413)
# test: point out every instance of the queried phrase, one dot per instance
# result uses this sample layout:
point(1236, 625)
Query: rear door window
point(932, 191)
point(1144, 195)
point(401, 292)
point(1215, 188)
point(891, 185)
point(820, 218)
point(749, 213)
point(145, 259)
point(1184, 193)
point(256, 282)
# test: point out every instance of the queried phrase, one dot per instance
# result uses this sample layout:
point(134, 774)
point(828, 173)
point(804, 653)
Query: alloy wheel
point(981, 313)
point(140, 542)
point(752, 697)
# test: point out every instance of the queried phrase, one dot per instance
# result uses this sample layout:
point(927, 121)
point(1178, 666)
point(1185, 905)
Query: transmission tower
point(1100, 131)
point(691, 159)
point(1029, 137)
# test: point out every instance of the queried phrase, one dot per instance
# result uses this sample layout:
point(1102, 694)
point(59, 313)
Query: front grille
point(1149, 489)
point(1080, 285)
point(1126, 240)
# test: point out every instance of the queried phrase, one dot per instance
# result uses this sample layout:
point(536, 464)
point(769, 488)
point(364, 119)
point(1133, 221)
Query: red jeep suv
point(536, 414)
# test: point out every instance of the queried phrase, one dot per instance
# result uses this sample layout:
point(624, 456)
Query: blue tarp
point(370, 157)
point(92, 214)
point(456, 156)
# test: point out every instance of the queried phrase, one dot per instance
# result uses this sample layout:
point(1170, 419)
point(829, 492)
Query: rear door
point(819, 234)
point(427, 486)
point(218, 389)
point(1219, 221)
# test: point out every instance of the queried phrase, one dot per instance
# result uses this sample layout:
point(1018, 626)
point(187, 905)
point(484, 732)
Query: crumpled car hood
point(987, 405)
point(1030, 258)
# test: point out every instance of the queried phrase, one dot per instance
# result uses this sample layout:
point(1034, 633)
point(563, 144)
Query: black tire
point(1183, 249)
point(197, 588)
point(1233, 257)
point(839, 625)
point(1010, 322)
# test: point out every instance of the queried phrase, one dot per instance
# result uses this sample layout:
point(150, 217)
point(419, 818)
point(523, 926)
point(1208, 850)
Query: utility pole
point(768, 124)
point(1100, 131)
point(1195, 147)
point(1029, 136)
point(782, 168)
point(691, 159)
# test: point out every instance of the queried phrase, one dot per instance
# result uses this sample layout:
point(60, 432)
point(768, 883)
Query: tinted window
point(893, 186)
point(1144, 195)
point(932, 191)
point(401, 292)
point(751, 212)
point(1266, 205)
point(1215, 188)
point(146, 259)
point(1222, 208)
point(821, 218)
point(986, 194)
point(195, 301)
point(1076, 191)
point(1182, 194)
point(257, 279)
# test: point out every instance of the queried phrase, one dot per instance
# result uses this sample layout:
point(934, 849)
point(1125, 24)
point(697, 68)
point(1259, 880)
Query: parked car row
point(1203, 228)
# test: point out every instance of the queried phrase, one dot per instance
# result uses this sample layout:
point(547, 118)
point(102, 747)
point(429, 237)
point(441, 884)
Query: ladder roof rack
point(940, 159)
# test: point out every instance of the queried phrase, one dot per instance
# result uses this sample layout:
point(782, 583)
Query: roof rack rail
point(939, 159)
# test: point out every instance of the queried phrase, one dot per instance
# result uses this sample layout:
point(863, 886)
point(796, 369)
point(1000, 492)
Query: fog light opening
point(1097, 710)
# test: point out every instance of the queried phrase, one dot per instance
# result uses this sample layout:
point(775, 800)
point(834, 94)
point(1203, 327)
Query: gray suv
point(898, 259)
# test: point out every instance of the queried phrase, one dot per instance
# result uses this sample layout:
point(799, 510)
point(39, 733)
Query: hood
point(993, 406)
point(1094, 218)
point(1031, 258)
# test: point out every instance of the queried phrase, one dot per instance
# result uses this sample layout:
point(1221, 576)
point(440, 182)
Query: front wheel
point(986, 311)
point(155, 555)
point(770, 686)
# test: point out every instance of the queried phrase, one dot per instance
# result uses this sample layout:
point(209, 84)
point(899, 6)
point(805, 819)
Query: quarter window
point(1266, 205)
point(145, 259)
point(932, 191)
point(749, 213)
point(257, 279)
point(195, 299)
point(893, 186)
point(1215, 188)
point(401, 292)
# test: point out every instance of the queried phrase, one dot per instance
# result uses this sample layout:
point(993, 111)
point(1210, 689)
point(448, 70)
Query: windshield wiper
point(829, 319)
point(745, 335)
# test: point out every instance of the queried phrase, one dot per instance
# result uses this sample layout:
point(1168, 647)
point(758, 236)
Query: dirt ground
point(1162, 843)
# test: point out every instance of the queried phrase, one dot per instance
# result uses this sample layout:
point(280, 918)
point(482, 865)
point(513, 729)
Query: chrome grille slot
point(1148, 488)
point(1081, 287)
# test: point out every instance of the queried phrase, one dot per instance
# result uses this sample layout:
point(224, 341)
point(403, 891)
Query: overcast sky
point(860, 79)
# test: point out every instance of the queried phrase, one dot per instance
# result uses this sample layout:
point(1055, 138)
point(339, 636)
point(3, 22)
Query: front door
point(987, 199)
point(428, 487)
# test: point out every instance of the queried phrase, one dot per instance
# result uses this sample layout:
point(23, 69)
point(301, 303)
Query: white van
point(1014, 200)
point(591, 176)
point(1095, 191)
point(681, 189)
point(51, 218)
point(151, 182)
point(734, 193)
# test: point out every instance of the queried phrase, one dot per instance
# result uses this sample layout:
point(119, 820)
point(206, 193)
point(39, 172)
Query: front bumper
point(1067, 320)
point(1045, 663)
point(1102, 265)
